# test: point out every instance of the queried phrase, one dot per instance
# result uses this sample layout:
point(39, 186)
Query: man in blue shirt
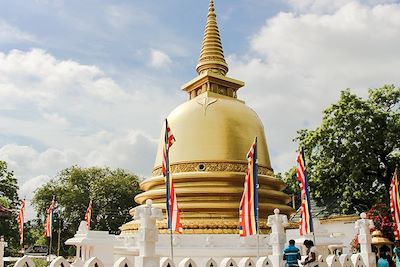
point(382, 262)
point(291, 255)
point(397, 252)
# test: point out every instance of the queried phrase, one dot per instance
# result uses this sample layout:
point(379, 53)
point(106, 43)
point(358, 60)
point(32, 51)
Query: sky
point(89, 82)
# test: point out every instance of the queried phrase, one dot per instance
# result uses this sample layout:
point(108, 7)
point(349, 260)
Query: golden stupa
point(214, 131)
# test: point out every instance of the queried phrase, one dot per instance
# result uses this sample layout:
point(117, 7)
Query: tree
point(9, 199)
point(111, 191)
point(292, 185)
point(352, 155)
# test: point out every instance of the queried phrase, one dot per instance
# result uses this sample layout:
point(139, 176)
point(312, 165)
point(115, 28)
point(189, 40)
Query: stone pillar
point(147, 235)
point(364, 237)
point(83, 255)
point(2, 246)
point(277, 238)
point(78, 262)
point(78, 252)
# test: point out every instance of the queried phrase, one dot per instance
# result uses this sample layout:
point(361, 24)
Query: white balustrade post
point(83, 250)
point(277, 238)
point(147, 235)
point(363, 226)
point(78, 252)
point(2, 246)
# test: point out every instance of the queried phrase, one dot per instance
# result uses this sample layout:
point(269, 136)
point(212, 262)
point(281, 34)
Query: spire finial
point(211, 7)
point(212, 55)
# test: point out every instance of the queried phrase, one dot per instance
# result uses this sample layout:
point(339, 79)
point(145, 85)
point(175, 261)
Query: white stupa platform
point(217, 246)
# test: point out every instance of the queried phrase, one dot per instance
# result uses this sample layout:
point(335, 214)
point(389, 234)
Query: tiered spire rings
point(212, 54)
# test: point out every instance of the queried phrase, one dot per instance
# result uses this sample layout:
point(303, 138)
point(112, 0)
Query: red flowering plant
point(382, 217)
point(355, 245)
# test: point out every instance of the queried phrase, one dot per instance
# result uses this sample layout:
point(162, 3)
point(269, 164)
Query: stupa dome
point(214, 127)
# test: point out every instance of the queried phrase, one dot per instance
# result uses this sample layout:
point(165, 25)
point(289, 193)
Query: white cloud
point(64, 113)
point(298, 64)
point(11, 34)
point(39, 90)
point(133, 150)
point(37, 77)
point(329, 6)
point(159, 59)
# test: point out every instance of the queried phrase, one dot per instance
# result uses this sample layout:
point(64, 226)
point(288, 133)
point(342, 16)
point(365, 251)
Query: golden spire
point(212, 55)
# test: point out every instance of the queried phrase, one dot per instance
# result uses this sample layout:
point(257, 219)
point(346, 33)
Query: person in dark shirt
point(291, 255)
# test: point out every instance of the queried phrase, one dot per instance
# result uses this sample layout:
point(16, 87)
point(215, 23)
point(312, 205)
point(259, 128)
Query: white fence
point(354, 260)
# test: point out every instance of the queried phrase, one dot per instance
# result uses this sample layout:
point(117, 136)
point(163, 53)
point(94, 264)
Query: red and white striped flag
point(395, 205)
point(173, 213)
point(306, 221)
point(88, 214)
point(48, 227)
point(248, 209)
point(21, 217)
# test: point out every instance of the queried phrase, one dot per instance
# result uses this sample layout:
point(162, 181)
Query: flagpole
point(309, 193)
point(171, 234)
point(21, 219)
point(168, 188)
point(51, 226)
point(50, 244)
point(172, 244)
point(258, 239)
point(258, 216)
point(23, 228)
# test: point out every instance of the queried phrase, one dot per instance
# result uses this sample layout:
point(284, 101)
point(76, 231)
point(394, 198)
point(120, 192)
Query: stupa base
point(200, 247)
point(198, 226)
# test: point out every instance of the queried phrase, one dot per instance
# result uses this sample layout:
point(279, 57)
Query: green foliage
point(112, 193)
point(40, 262)
point(4, 202)
point(9, 199)
point(292, 185)
point(33, 231)
point(352, 155)
point(8, 186)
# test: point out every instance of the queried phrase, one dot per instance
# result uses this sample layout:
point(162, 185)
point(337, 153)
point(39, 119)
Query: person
point(311, 259)
point(291, 255)
point(389, 259)
point(396, 252)
point(382, 262)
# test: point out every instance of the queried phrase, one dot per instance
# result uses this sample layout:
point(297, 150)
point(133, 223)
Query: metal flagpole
point(51, 227)
point(171, 234)
point(50, 248)
point(257, 186)
point(309, 194)
point(258, 236)
point(168, 188)
point(172, 244)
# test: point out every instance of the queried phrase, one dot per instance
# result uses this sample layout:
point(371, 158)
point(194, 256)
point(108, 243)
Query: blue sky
point(115, 34)
point(89, 82)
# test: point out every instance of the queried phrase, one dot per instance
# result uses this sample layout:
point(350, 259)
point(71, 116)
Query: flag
point(248, 210)
point(173, 214)
point(88, 214)
point(48, 228)
point(306, 222)
point(21, 216)
point(395, 205)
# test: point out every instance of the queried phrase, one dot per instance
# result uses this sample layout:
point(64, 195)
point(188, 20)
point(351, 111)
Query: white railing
point(354, 260)
point(99, 250)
